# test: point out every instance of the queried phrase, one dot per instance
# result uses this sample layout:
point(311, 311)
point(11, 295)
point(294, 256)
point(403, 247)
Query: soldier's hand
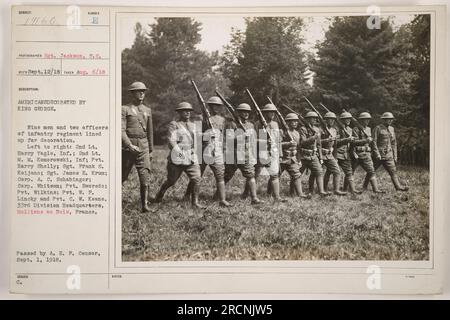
point(369, 139)
point(135, 149)
point(352, 139)
point(292, 143)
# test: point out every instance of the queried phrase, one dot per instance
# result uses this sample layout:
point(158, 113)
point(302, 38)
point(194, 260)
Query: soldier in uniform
point(213, 151)
point(182, 157)
point(244, 156)
point(269, 151)
point(328, 155)
point(290, 160)
point(344, 152)
point(311, 153)
point(137, 140)
point(364, 147)
point(386, 142)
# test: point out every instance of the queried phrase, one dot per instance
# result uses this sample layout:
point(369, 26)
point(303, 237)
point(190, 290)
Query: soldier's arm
point(305, 140)
point(126, 143)
point(375, 150)
point(150, 130)
point(394, 145)
point(340, 140)
point(172, 136)
point(359, 140)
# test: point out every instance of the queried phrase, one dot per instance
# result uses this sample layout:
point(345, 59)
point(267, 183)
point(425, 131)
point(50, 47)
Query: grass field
point(391, 226)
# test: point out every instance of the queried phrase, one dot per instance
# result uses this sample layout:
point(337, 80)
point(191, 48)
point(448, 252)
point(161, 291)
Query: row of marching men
point(323, 150)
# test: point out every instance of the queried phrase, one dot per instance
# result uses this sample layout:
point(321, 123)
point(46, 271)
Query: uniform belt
point(363, 149)
point(137, 137)
point(327, 151)
point(309, 152)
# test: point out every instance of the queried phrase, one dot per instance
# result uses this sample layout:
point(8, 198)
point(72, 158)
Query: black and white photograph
point(261, 137)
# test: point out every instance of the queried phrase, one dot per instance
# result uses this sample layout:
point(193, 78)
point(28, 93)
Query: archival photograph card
point(228, 150)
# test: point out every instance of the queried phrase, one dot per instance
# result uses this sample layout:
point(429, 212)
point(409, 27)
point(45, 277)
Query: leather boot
point(145, 198)
point(351, 185)
point(275, 188)
point(346, 185)
point(298, 189)
point(366, 182)
point(326, 179)
point(270, 191)
point(311, 184)
point(246, 192)
point(195, 195)
point(398, 186)
point(293, 190)
point(374, 184)
point(222, 194)
point(251, 183)
point(336, 180)
point(160, 195)
point(188, 193)
point(319, 180)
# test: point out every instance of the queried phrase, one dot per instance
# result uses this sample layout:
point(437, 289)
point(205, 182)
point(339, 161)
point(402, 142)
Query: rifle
point(260, 116)
point(339, 123)
point(283, 122)
point(302, 120)
point(231, 110)
point(322, 122)
point(205, 110)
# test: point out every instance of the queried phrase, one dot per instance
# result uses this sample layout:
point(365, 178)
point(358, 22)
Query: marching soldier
point(364, 146)
point(311, 153)
point(328, 155)
point(182, 156)
point(244, 156)
point(290, 160)
point(214, 151)
point(269, 152)
point(343, 154)
point(137, 140)
point(386, 142)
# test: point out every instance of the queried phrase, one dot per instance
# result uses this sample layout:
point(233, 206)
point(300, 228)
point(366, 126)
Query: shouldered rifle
point(231, 110)
point(205, 110)
point(282, 121)
point(302, 120)
point(322, 122)
point(339, 123)
point(260, 116)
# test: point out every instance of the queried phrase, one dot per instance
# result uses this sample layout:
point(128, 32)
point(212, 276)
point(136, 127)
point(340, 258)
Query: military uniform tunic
point(290, 160)
point(344, 149)
point(363, 150)
point(183, 156)
point(213, 148)
point(329, 150)
point(386, 142)
point(268, 154)
point(310, 151)
point(243, 150)
point(137, 130)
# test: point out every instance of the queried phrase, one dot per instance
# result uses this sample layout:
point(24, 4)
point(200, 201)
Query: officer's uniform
point(386, 142)
point(244, 150)
point(137, 130)
point(310, 151)
point(363, 150)
point(183, 139)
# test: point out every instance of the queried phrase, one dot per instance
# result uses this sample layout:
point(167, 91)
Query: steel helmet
point(243, 107)
point(137, 86)
point(330, 115)
point(269, 107)
point(345, 115)
point(365, 115)
point(184, 106)
point(215, 100)
point(291, 116)
point(311, 114)
point(387, 115)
